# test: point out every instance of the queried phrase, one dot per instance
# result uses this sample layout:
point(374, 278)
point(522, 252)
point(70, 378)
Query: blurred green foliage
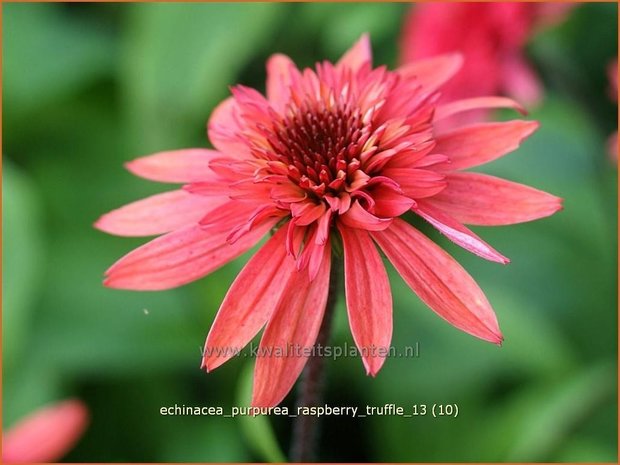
point(89, 86)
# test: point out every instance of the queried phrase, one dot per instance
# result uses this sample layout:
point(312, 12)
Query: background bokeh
point(87, 87)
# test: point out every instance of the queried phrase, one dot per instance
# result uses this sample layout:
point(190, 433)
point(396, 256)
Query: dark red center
point(319, 145)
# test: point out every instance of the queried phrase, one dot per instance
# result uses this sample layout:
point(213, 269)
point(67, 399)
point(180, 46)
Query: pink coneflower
point(491, 37)
point(332, 155)
point(45, 435)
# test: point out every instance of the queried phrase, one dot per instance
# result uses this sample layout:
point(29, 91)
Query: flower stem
point(310, 391)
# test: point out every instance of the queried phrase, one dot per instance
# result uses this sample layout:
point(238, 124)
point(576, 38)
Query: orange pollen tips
point(320, 146)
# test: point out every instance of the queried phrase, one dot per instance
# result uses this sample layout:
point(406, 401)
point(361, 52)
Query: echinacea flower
point(335, 153)
point(491, 36)
point(45, 435)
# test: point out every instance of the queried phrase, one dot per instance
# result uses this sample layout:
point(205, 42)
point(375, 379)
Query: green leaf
point(86, 328)
point(549, 415)
point(587, 450)
point(34, 385)
point(341, 24)
point(46, 54)
point(203, 440)
point(22, 252)
point(257, 430)
point(179, 61)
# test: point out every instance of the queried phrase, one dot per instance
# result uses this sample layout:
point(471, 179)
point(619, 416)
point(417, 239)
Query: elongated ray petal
point(290, 334)
point(369, 299)
point(439, 280)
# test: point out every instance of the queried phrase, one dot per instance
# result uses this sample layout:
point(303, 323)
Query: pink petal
point(227, 216)
point(157, 214)
point(439, 280)
point(288, 192)
point(343, 204)
point(305, 213)
point(389, 203)
point(358, 55)
point(477, 103)
point(215, 188)
point(481, 143)
point(458, 233)
point(250, 301)
point(252, 106)
point(433, 72)
point(322, 231)
point(550, 13)
point(358, 217)
point(520, 81)
point(311, 258)
point(290, 334)
point(369, 300)
point(257, 217)
point(187, 165)
point(480, 199)
point(233, 180)
point(413, 158)
point(431, 160)
point(279, 69)
point(427, 27)
point(178, 258)
point(295, 236)
point(417, 183)
point(314, 250)
point(223, 129)
point(46, 435)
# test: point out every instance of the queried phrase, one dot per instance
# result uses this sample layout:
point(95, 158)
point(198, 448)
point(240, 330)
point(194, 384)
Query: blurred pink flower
point(613, 91)
point(335, 153)
point(46, 435)
point(491, 36)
